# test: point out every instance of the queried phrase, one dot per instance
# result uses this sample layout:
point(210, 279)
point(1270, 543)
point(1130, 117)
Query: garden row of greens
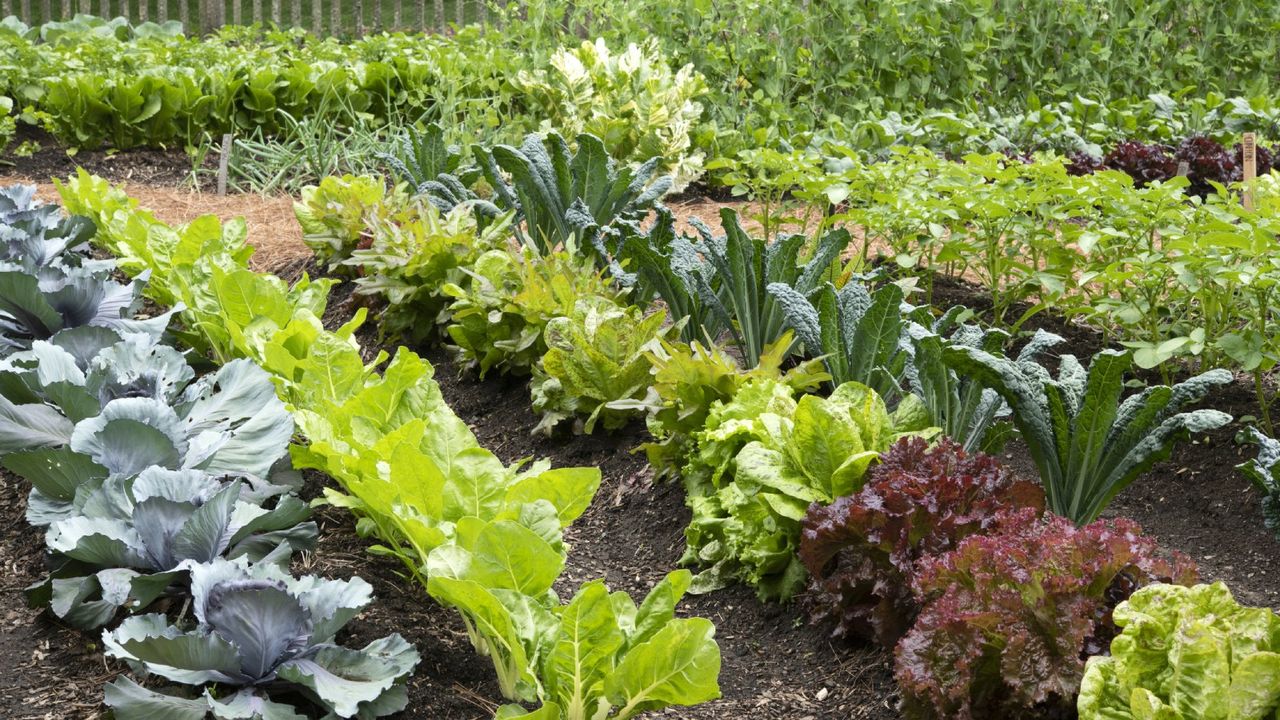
point(936, 551)
point(91, 82)
point(153, 485)
point(483, 537)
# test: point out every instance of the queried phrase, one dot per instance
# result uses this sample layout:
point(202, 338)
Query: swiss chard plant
point(1089, 442)
point(1009, 616)
point(862, 550)
point(1264, 472)
point(261, 637)
point(598, 656)
point(597, 364)
point(762, 460)
point(1191, 653)
point(124, 541)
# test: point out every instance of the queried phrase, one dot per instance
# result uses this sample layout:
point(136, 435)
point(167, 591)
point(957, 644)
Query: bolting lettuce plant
point(862, 551)
point(260, 635)
point(335, 214)
point(762, 460)
point(690, 379)
point(124, 541)
point(1190, 653)
point(1087, 441)
point(1264, 472)
point(597, 364)
point(1008, 617)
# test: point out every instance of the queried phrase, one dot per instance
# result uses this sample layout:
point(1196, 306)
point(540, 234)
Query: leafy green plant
point(659, 262)
point(422, 157)
point(1008, 616)
point(1186, 652)
point(782, 455)
point(498, 318)
point(690, 379)
point(1262, 471)
point(632, 100)
point(413, 255)
point(862, 551)
point(597, 364)
point(1087, 442)
point(744, 267)
point(335, 215)
point(562, 198)
point(124, 541)
point(857, 333)
point(259, 632)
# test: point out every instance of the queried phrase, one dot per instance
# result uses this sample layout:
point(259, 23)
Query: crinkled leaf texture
point(781, 456)
point(260, 629)
point(1008, 617)
point(862, 551)
point(1191, 653)
point(1264, 472)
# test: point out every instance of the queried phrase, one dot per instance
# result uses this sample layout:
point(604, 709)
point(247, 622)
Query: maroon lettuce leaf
point(862, 551)
point(1009, 618)
point(1207, 161)
point(1142, 162)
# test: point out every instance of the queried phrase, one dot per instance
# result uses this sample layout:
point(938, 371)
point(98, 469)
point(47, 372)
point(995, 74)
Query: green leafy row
point(485, 538)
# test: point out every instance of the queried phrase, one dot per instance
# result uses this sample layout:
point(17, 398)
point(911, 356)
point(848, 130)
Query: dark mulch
point(170, 167)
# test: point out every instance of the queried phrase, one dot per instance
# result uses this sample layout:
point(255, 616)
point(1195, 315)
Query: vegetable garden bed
point(774, 664)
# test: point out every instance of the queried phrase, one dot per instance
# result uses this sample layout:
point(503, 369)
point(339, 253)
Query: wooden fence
point(321, 17)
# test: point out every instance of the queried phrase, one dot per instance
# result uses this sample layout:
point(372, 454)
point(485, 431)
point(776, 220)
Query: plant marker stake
point(1184, 168)
point(222, 164)
point(1250, 168)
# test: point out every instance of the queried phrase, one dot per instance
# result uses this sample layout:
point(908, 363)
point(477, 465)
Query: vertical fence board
point(237, 12)
point(6, 7)
point(26, 10)
point(86, 7)
point(377, 16)
point(335, 17)
point(257, 11)
point(46, 11)
point(461, 7)
point(275, 11)
point(184, 15)
point(162, 10)
point(317, 21)
point(144, 10)
point(66, 10)
point(104, 8)
point(295, 12)
point(396, 19)
point(358, 8)
point(438, 22)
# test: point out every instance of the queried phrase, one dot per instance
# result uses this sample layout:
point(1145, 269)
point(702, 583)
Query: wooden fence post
point(1250, 143)
point(438, 22)
point(257, 11)
point(184, 16)
point(335, 17)
point(377, 16)
point(317, 19)
point(275, 12)
point(461, 8)
point(359, 12)
point(295, 12)
point(104, 8)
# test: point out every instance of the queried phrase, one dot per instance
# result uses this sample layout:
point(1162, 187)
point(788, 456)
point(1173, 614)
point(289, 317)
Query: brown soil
point(775, 667)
